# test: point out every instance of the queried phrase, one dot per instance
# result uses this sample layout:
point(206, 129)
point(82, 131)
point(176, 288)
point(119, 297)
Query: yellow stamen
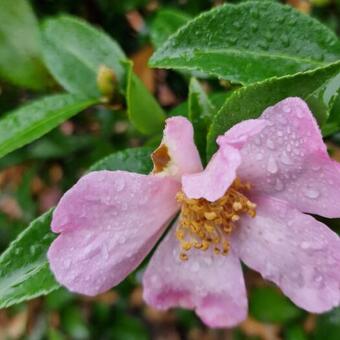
point(204, 224)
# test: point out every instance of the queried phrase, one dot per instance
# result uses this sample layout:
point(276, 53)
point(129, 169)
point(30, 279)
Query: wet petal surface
point(211, 284)
point(108, 221)
point(216, 178)
point(177, 154)
point(240, 133)
point(288, 159)
point(298, 253)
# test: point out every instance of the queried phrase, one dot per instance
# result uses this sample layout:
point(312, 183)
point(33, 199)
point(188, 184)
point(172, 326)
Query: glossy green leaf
point(201, 112)
point(166, 22)
point(143, 109)
point(328, 325)
point(24, 270)
point(218, 98)
point(249, 102)
point(333, 123)
point(249, 42)
point(74, 51)
point(20, 55)
point(268, 304)
point(134, 160)
point(33, 120)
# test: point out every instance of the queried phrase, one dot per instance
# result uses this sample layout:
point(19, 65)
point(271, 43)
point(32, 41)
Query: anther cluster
point(204, 224)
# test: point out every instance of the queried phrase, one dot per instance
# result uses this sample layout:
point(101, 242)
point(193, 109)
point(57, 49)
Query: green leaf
point(328, 325)
point(73, 321)
point(33, 120)
point(74, 51)
point(295, 332)
point(249, 42)
point(201, 112)
point(333, 123)
point(249, 102)
point(133, 160)
point(269, 305)
point(24, 269)
point(217, 99)
point(143, 110)
point(166, 22)
point(129, 327)
point(20, 55)
point(24, 272)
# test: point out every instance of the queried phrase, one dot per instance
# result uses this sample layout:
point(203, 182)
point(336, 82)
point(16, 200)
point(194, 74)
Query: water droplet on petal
point(290, 223)
point(208, 260)
point(122, 239)
point(67, 263)
point(119, 184)
point(279, 185)
point(285, 159)
point(311, 193)
point(318, 280)
point(195, 266)
point(299, 113)
point(155, 280)
point(271, 165)
point(105, 252)
point(270, 144)
point(286, 109)
point(305, 245)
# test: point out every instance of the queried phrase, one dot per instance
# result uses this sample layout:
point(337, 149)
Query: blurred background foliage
point(33, 178)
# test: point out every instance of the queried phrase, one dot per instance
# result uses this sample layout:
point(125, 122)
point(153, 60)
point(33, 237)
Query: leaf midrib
point(241, 51)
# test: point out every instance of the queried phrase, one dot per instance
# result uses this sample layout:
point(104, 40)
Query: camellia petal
point(108, 222)
point(177, 154)
point(212, 285)
point(215, 179)
point(288, 159)
point(239, 134)
point(298, 253)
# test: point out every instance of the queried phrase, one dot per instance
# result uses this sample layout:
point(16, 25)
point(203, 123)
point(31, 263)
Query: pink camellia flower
point(248, 204)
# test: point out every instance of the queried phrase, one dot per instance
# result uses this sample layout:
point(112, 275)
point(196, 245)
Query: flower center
point(205, 224)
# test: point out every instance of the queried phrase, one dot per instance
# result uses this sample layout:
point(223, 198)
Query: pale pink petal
point(108, 221)
point(289, 160)
point(215, 179)
point(239, 134)
point(178, 137)
point(298, 253)
point(211, 284)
